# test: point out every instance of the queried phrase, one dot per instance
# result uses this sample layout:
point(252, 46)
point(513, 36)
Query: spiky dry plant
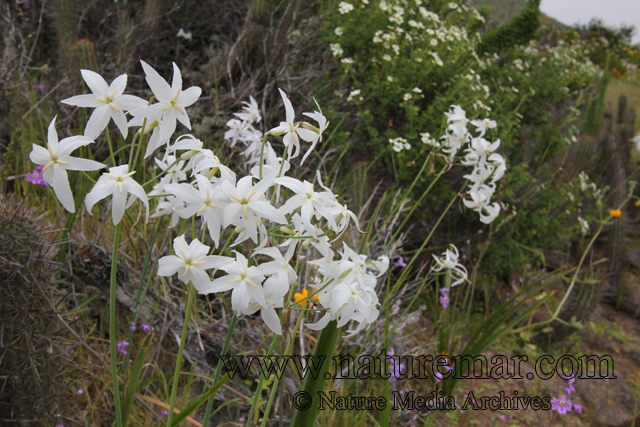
point(31, 386)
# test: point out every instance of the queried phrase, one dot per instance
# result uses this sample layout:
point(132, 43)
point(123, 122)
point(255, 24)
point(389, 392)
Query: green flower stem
point(386, 389)
point(140, 137)
point(415, 205)
point(138, 302)
point(324, 348)
point(407, 270)
point(284, 157)
point(161, 173)
point(264, 141)
point(133, 146)
point(254, 405)
point(176, 374)
point(216, 376)
point(274, 386)
point(113, 156)
point(112, 325)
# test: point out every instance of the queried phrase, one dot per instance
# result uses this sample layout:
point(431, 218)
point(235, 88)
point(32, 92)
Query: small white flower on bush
point(345, 7)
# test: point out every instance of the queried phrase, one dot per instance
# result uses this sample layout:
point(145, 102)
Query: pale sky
point(612, 12)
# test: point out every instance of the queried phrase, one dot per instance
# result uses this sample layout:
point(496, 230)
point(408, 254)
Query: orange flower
point(638, 203)
point(615, 213)
point(300, 296)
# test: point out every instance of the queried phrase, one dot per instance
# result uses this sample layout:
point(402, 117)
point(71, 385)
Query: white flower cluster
point(399, 144)
point(488, 166)
point(584, 226)
point(194, 183)
point(336, 49)
point(409, 22)
point(347, 286)
point(242, 129)
point(449, 261)
point(425, 137)
point(345, 7)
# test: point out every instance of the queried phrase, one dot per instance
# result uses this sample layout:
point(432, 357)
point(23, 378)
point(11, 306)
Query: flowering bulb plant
point(267, 217)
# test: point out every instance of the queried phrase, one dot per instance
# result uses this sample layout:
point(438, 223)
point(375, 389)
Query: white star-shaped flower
point(172, 101)
point(109, 103)
point(118, 182)
point(190, 262)
point(56, 160)
point(245, 281)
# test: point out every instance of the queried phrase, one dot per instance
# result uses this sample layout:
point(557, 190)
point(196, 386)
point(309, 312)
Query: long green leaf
point(195, 405)
point(310, 387)
point(133, 382)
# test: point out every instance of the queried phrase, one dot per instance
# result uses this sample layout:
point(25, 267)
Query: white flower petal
point(118, 205)
point(130, 102)
point(176, 84)
point(169, 265)
point(121, 122)
point(52, 135)
point(158, 85)
point(118, 85)
point(189, 96)
point(97, 122)
point(78, 164)
point(271, 319)
point(39, 155)
point(87, 101)
point(96, 83)
point(61, 187)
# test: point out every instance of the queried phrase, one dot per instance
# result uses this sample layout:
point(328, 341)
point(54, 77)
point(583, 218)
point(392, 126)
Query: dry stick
point(33, 46)
point(44, 97)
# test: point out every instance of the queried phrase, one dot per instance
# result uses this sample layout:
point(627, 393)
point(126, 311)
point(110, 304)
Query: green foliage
point(401, 65)
point(518, 31)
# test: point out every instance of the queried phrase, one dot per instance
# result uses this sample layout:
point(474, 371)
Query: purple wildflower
point(164, 413)
point(570, 388)
point(146, 328)
point(396, 368)
point(400, 263)
point(39, 87)
point(444, 299)
point(506, 417)
point(122, 346)
point(80, 391)
point(36, 177)
point(132, 327)
point(439, 376)
point(562, 405)
point(577, 408)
